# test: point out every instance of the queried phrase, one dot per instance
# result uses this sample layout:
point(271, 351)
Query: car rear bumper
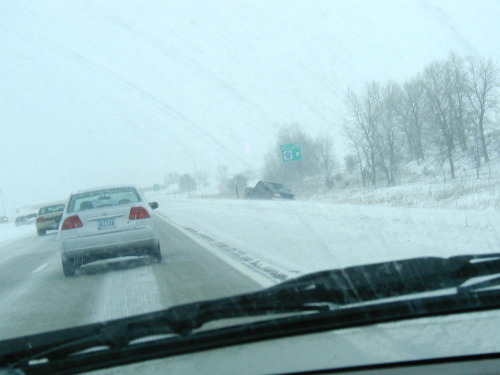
point(47, 226)
point(109, 245)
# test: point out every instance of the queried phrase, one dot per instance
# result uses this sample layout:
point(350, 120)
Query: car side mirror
point(153, 205)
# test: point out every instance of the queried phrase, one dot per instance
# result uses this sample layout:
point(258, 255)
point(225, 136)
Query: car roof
point(272, 182)
point(52, 204)
point(104, 188)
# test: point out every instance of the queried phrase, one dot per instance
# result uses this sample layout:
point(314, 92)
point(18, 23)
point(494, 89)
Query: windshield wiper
point(324, 292)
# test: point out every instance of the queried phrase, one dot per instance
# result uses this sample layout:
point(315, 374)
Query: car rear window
point(275, 186)
point(50, 209)
point(103, 198)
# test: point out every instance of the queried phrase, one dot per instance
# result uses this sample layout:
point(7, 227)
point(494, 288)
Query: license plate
point(106, 223)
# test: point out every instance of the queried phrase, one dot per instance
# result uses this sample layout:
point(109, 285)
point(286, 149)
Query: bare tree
point(484, 83)
point(350, 162)
point(361, 127)
point(187, 183)
point(412, 117)
point(387, 131)
point(457, 91)
point(237, 183)
point(357, 144)
point(447, 111)
point(222, 177)
point(203, 178)
point(171, 178)
point(323, 152)
point(436, 80)
point(475, 149)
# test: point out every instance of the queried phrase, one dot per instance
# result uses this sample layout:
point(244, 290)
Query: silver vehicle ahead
point(107, 223)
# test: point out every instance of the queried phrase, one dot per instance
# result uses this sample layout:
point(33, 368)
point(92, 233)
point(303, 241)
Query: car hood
point(416, 339)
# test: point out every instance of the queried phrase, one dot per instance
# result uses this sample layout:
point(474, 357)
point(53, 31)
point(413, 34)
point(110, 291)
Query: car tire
point(41, 232)
point(69, 267)
point(155, 253)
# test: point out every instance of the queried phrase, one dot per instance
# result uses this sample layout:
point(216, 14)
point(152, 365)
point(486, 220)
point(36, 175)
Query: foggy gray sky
point(107, 92)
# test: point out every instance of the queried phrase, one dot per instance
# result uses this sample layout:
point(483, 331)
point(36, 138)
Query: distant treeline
point(449, 109)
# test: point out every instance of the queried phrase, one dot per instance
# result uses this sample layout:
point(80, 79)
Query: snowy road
point(214, 248)
point(37, 297)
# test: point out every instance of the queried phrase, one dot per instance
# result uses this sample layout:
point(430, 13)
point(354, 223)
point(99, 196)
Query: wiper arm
point(314, 292)
point(340, 287)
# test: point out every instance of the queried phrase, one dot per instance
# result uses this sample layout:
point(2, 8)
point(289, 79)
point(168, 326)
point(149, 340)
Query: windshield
point(101, 198)
point(275, 186)
point(49, 209)
point(184, 151)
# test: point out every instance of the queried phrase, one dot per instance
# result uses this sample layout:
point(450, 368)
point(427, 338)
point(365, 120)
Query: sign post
point(292, 152)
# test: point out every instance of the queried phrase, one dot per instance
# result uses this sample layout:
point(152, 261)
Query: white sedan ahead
point(107, 223)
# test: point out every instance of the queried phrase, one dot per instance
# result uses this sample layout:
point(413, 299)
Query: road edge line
point(258, 275)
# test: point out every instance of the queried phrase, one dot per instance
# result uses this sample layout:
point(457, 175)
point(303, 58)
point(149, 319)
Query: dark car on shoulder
point(268, 190)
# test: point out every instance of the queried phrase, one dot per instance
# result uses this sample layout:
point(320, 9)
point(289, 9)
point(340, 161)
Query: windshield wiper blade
point(320, 291)
point(340, 287)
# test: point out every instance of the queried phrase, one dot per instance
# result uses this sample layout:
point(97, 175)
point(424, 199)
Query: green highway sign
point(291, 152)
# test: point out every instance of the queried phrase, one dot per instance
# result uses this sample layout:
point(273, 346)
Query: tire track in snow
point(125, 296)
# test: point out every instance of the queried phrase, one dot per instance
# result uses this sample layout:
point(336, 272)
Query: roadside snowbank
point(9, 232)
point(299, 237)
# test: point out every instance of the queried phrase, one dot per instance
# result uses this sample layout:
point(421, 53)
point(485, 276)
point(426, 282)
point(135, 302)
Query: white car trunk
point(105, 220)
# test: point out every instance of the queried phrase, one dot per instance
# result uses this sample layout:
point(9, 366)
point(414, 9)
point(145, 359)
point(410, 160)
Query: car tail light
point(39, 219)
point(72, 222)
point(138, 213)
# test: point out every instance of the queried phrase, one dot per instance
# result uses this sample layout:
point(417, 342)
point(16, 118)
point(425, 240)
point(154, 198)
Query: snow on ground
point(296, 237)
point(422, 185)
point(9, 232)
point(470, 194)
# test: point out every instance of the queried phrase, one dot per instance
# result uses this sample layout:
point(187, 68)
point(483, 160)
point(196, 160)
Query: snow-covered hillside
point(423, 185)
point(101, 92)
